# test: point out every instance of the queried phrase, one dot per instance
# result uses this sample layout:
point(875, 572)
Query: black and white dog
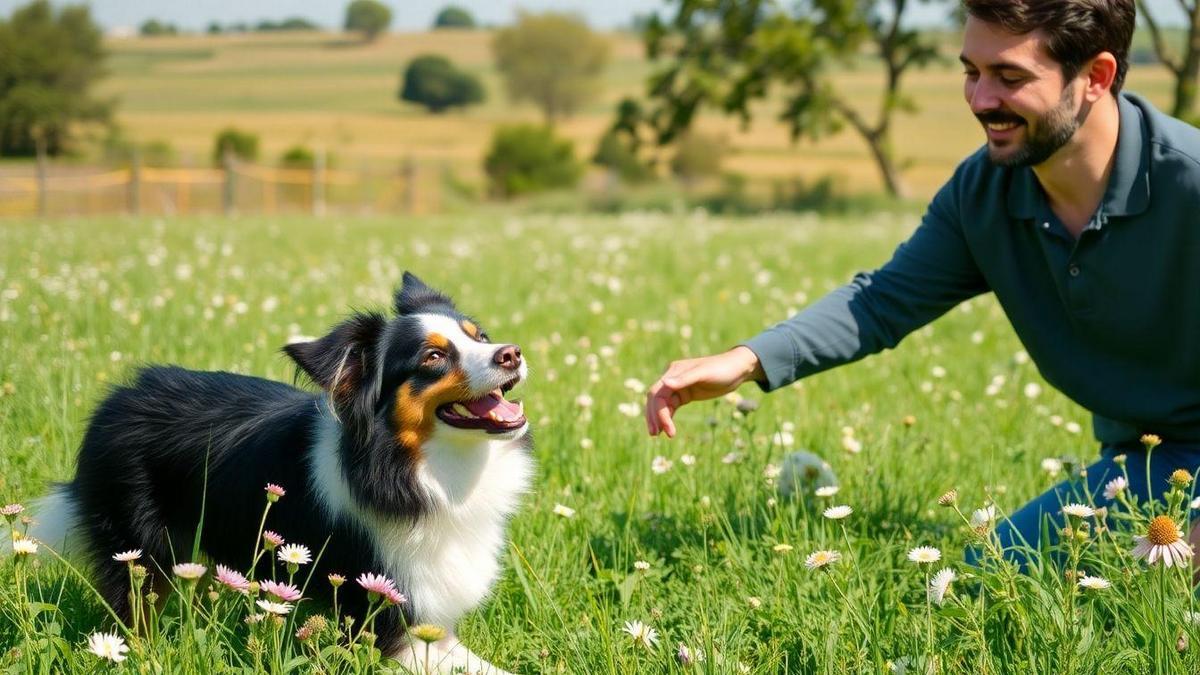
point(409, 462)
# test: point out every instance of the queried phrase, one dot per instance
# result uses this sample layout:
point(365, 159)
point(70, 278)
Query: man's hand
point(697, 380)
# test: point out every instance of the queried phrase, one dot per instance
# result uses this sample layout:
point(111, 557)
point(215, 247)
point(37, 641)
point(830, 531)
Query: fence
point(45, 190)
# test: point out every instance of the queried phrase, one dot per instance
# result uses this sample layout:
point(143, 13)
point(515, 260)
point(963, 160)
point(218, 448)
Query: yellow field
point(320, 89)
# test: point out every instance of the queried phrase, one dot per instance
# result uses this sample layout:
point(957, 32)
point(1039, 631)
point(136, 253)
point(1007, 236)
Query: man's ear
point(344, 360)
point(414, 295)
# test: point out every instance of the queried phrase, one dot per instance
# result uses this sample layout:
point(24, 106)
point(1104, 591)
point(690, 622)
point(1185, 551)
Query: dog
point(408, 463)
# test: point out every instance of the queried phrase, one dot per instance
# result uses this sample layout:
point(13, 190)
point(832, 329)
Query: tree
point(154, 28)
point(454, 17)
point(370, 17)
point(242, 144)
point(49, 61)
point(726, 54)
point(551, 59)
point(1186, 67)
point(432, 81)
point(527, 158)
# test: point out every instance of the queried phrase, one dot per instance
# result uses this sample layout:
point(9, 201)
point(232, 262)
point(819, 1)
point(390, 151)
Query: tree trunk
point(1185, 81)
point(888, 171)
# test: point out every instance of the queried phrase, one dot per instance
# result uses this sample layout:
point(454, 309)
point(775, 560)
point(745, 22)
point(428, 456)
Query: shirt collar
point(1128, 191)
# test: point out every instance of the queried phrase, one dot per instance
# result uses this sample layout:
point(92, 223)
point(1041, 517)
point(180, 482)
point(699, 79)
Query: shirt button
point(1073, 270)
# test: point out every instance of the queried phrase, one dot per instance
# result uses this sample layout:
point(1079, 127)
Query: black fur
point(142, 465)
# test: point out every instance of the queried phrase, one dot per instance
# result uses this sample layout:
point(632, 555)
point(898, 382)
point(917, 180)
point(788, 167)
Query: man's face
point(1017, 92)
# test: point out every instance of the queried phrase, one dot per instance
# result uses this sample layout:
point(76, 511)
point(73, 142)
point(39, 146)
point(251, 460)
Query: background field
point(593, 302)
point(324, 90)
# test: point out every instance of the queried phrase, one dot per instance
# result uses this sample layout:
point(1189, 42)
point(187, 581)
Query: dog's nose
point(508, 357)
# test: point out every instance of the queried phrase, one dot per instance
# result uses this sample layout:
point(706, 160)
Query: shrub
point(243, 145)
point(526, 158)
point(433, 81)
point(454, 17)
point(614, 153)
point(297, 157)
point(369, 17)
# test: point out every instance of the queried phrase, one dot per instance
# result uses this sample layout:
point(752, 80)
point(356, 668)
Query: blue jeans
point(1024, 528)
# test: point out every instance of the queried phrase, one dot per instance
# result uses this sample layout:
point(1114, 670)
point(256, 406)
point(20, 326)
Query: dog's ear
point(342, 362)
point(414, 295)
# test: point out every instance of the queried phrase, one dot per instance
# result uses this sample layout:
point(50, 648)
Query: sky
point(410, 15)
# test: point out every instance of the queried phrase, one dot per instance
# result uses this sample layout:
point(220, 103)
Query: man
point(1081, 214)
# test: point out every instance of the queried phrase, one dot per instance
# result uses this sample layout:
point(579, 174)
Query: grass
point(596, 302)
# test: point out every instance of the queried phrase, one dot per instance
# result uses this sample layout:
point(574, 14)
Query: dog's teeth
point(462, 410)
point(520, 408)
point(493, 416)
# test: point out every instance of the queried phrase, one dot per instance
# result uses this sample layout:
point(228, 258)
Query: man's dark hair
point(1076, 30)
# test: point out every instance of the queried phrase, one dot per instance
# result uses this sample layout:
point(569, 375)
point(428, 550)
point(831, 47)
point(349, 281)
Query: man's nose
point(983, 97)
point(508, 357)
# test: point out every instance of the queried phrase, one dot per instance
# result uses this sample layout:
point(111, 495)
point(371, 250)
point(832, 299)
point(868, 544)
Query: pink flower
point(285, 592)
point(10, 510)
point(272, 540)
point(336, 580)
point(376, 583)
point(233, 579)
point(395, 597)
point(274, 492)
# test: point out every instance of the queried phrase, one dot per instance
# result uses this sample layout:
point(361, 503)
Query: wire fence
point(50, 189)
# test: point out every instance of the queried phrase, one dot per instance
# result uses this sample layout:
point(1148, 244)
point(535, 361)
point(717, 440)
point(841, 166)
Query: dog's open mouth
point(492, 413)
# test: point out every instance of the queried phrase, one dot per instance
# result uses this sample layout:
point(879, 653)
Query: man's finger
point(664, 417)
point(652, 408)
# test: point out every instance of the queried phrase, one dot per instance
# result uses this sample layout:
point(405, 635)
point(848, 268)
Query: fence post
point(318, 183)
point(42, 180)
point(135, 183)
point(409, 171)
point(229, 195)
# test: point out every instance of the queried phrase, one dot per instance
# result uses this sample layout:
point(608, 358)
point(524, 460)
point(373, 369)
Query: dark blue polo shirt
point(1111, 319)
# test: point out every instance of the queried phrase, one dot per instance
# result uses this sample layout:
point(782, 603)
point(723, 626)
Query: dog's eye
point(483, 337)
point(433, 356)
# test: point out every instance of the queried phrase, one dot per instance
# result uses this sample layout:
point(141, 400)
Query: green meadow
point(692, 536)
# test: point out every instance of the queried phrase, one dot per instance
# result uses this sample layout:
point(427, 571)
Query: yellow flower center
point(1163, 531)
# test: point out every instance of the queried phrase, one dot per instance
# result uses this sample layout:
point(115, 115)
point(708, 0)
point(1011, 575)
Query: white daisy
point(1052, 466)
point(1094, 583)
point(819, 559)
point(1114, 487)
point(827, 490)
point(1079, 510)
point(295, 554)
point(661, 465)
point(838, 512)
point(1164, 541)
point(939, 585)
point(687, 460)
point(564, 511)
point(108, 646)
point(985, 517)
point(23, 546)
point(642, 634)
point(277, 608)
point(189, 571)
point(924, 554)
point(641, 565)
point(128, 556)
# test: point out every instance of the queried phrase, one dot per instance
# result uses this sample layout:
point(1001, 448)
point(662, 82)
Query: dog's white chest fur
point(447, 560)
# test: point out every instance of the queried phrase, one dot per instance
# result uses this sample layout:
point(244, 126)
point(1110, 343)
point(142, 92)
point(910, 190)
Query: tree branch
point(1160, 47)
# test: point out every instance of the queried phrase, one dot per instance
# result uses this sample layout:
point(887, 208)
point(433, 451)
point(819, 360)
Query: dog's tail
point(55, 521)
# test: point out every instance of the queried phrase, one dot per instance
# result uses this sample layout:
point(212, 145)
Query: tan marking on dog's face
point(470, 329)
point(438, 341)
point(414, 413)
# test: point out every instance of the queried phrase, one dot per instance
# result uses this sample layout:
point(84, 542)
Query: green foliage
point(697, 156)
point(297, 157)
point(432, 80)
point(551, 59)
point(290, 23)
point(454, 16)
point(120, 150)
point(370, 17)
point(154, 28)
point(49, 62)
point(614, 153)
point(243, 145)
point(526, 158)
point(728, 54)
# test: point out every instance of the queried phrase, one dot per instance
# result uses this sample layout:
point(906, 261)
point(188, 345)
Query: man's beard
point(1052, 131)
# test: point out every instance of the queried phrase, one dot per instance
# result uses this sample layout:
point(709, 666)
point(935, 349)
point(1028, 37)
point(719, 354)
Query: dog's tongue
point(493, 402)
